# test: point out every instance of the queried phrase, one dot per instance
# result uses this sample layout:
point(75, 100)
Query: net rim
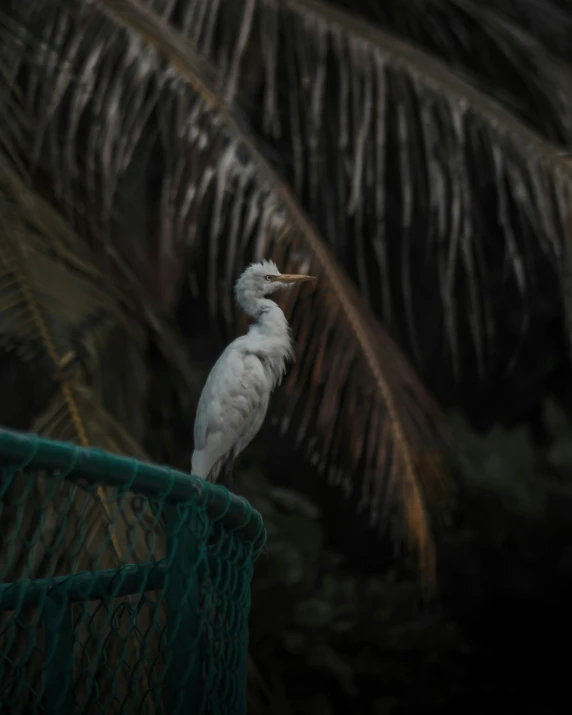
point(28, 451)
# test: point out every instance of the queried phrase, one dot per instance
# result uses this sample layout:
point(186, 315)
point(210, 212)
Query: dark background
point(339, 621)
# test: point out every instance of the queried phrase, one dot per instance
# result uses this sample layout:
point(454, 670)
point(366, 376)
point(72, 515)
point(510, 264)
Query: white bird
point(234, 400)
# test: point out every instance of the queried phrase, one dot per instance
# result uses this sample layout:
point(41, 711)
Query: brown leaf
point(370, 414)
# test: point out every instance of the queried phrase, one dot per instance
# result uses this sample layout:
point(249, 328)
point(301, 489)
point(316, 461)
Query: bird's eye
point(268, 278)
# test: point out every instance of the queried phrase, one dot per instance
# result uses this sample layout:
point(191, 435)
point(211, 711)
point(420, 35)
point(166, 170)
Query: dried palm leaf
point(22, 318)
point(383, 137)
point(501, 58)
point(549, 21)
point(78, 324)
point(71, 322)
point(352, 388)
point(391, 79)
point(63, 525)
point(92, 319)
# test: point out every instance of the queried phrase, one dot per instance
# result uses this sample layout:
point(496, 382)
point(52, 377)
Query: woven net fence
point(124, 587)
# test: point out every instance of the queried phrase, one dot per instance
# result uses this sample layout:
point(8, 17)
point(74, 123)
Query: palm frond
point(43, 306)
point(497, 55)
point(84, 306)
point(384, 139)
point(550, 22)
point(69, 320)
point(23, 318)
point(102, 428)
point(356, 394)
point(135, 528)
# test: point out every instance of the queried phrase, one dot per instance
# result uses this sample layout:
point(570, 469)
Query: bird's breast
point(272, 367)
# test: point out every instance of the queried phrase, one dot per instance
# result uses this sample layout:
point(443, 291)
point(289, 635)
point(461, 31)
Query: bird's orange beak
point(294, 278)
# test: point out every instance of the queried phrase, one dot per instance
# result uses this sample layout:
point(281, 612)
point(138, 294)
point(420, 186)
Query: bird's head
point(264, 278)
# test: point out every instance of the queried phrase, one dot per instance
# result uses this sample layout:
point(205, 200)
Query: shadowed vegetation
point(413, 156)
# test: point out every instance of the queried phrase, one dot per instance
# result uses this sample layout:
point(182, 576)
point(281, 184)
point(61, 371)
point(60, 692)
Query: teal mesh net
point(124, 587)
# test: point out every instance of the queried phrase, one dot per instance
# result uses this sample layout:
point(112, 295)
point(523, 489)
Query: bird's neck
point(258, 309)
point(268, 317)
point(269, 334)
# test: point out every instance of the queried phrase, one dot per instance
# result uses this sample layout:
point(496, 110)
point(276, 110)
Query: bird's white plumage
point(231, 410)
point(234, 400)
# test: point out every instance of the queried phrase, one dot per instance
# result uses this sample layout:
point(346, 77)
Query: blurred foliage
point(328, 639)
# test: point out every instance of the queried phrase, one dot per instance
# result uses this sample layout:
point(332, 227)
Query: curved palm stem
point(381, 132)
point(373, 421)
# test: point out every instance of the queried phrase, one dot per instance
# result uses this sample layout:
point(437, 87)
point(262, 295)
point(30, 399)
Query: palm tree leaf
point(104, 431)
point(79, 300)
point(384, 139)
point(496, 54)
point(550, 22)
point(52, 311)
point(390, 394)
point(42, 304)
point(369, 411)
point(81, 316)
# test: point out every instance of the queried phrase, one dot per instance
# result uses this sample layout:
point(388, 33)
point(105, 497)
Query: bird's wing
point(251, 427)
point(231, 408)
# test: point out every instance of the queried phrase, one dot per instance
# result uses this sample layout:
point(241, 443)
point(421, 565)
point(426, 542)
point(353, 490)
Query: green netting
point(140, 606)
